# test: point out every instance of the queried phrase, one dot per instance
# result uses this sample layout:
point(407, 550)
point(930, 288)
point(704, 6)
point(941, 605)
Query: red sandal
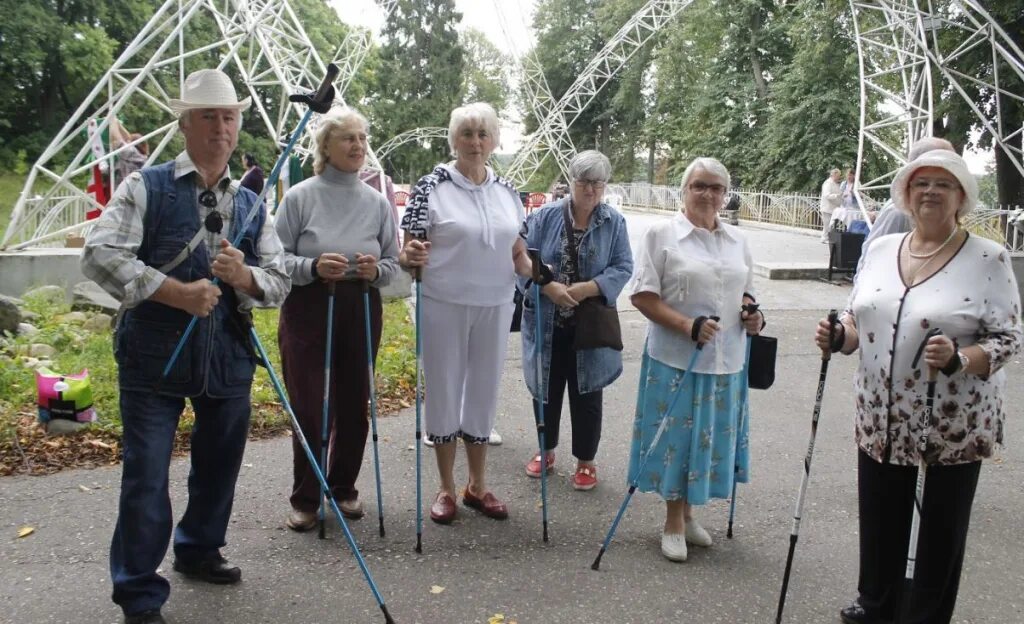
point(585, 478)
point(533, 466)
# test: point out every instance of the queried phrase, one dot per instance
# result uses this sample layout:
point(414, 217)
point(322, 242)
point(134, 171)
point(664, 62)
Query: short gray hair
point(928, 144)
point(705, 163)
point(477, 113)
point(333, 122)
point(590, 165)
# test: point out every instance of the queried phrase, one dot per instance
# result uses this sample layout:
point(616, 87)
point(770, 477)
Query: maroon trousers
point(302, 336)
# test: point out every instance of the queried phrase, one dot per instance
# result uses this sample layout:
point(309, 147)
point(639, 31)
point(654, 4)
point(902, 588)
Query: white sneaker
point(495, 438)
point(673, 546)
point(696, 534)
point(428, 442)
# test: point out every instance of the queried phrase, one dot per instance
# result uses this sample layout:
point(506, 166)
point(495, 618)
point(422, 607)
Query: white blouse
point(696, 272)
point(974, 299)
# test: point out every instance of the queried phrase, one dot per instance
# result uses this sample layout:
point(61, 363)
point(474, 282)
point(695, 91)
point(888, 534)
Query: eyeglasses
point(703, 187)
point(941, 184)
point(596, 185)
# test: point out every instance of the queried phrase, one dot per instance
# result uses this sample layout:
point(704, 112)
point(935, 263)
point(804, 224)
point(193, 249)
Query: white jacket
point(831, 196)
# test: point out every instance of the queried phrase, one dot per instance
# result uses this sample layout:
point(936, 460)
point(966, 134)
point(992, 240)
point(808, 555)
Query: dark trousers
point(584, 409)
point(144, 512)
point(886, 495)
point(302, 334)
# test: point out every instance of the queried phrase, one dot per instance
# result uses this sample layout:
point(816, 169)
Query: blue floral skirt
point(697, 457)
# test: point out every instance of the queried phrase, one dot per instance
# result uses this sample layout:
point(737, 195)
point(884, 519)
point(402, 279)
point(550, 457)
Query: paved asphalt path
point(59, 574)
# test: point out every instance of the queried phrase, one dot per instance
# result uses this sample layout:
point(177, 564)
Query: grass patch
point(25, 449)
point(10, 188)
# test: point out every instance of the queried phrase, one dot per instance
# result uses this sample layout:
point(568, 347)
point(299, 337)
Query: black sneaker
point(146, 617)
point(214, 569)
point(857, 614)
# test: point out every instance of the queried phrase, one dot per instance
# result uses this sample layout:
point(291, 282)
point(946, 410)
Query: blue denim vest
point(218, 359)
point(606, 258)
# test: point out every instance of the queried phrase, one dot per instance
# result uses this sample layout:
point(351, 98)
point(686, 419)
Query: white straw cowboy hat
point(943, 159)
point(208, 88)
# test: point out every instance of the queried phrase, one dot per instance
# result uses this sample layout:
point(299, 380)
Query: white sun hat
point(943, 159)
point(208, 88)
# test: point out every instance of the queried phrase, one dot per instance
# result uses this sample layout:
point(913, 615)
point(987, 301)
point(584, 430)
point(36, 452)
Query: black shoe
point(146, 617)
point(213, 569)
point(857, 614)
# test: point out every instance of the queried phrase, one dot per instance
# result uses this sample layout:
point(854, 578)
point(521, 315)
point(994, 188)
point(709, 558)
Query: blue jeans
point(144, 514)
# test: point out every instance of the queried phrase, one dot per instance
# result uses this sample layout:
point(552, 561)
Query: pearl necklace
point(956, 229)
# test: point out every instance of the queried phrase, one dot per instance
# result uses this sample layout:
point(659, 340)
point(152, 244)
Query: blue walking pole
point(417, 276)
point(373, 401)
point(319, 102)
point(750, 308)
point(643, 460)
point(324, 492)
point(319, 474)
point(539, 355)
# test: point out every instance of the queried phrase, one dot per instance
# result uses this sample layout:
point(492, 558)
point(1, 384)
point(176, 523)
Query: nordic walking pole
point(373, 401)
point(538, 353)
point(319, 474)
point(318, 102)
point(417, 277)
point(643, 460)
point(922, 471)
point(750, 308)
point(826, 355)
point(327, 398)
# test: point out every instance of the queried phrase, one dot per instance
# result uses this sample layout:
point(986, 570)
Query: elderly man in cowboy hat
point(160, 241)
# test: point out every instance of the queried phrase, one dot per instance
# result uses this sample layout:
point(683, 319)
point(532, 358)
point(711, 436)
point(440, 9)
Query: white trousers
point(463, 358)
point(826, 221)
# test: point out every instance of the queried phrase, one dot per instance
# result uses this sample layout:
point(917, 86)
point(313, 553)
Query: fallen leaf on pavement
point(25, 531)
point(100, 444)
point(436, 589)
point(497, 618)
point(84, 488)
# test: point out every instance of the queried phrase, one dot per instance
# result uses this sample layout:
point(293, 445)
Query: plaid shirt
point(110, 259)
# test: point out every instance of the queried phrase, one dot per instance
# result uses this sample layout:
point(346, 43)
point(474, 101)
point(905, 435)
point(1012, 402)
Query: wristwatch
point(964, 361)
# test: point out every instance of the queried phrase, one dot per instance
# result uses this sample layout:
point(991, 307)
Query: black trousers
point(584, 409)
point(886, 503)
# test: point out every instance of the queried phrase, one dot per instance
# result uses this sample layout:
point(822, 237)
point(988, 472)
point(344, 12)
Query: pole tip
point(597, 562)
point(387, 616)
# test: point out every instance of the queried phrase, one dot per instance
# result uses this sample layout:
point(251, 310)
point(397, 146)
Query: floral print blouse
point(974, 299)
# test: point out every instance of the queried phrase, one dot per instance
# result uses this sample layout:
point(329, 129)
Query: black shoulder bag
point(597, 324)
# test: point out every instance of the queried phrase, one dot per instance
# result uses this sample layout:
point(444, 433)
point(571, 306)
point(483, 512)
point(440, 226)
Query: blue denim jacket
point(606, 258)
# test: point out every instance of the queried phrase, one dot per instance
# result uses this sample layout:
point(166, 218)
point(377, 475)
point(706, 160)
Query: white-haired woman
point(334, 229)
point(586, 242)
point(936, 276)
point(689, 269)
point(462, 224)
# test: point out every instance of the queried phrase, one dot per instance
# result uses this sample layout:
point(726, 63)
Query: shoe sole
point(301, 528)
point(213, 580)
point(584, 488)
point(480, 508)
point(536, 475)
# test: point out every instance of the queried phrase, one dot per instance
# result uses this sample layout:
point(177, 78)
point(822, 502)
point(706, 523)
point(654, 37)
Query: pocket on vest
point(242, 365)
point(148, 346)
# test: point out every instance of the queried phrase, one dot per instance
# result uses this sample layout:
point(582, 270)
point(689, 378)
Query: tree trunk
point(755, 62)
point(650, 160)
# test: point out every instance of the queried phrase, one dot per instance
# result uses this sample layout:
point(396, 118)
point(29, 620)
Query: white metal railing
point(801, 210)
point(46, 220)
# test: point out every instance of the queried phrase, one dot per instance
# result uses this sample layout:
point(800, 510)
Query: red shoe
point(488, 504)
point(443, 510)
point(533, 466)
point(585, 478)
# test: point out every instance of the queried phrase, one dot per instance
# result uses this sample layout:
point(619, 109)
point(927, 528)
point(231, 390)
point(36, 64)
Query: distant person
point(133, 157)
point(831, 198)
point(252, 179)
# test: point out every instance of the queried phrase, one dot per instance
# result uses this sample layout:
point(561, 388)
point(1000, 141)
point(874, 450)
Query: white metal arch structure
point(416, 135)
point(643, 25)
point(901, 51)
point(271, 56)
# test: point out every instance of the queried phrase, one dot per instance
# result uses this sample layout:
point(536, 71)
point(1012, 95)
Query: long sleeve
point(271, 275)
point(289, 226)
point(1000, 333)
point(110, 255)
point(387, 264)
point(613, 278)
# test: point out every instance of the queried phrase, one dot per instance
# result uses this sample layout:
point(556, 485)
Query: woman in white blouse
point(937, 276)
point(687, 270)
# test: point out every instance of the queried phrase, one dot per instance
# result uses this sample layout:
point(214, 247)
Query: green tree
point(487, 77)
point(419, 82)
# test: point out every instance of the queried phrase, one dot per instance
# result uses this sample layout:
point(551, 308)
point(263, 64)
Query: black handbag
point(597, 324)
point(761, 369)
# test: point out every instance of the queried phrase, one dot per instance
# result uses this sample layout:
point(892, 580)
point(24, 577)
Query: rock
point(26, 329)
point(61, 426)
point(28, 315)
point(100, 322)
point(29, 362)
point(53, 296)
point(10, 314)
point(39, 350)
point(89, 296)
point(73, 317)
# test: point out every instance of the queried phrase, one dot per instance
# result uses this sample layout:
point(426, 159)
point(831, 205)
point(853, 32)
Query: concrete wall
point(24, 270)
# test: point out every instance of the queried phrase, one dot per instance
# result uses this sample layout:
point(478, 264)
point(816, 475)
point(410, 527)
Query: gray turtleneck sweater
point(335, 212)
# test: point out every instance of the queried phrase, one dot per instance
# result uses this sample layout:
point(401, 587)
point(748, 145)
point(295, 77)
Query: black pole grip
point(321, 91)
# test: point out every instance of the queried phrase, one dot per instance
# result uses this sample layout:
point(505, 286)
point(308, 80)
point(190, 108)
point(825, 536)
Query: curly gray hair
point(330, 124)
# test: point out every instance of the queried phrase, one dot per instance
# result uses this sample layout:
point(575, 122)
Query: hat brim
point(951, 162)
point(180, 106)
